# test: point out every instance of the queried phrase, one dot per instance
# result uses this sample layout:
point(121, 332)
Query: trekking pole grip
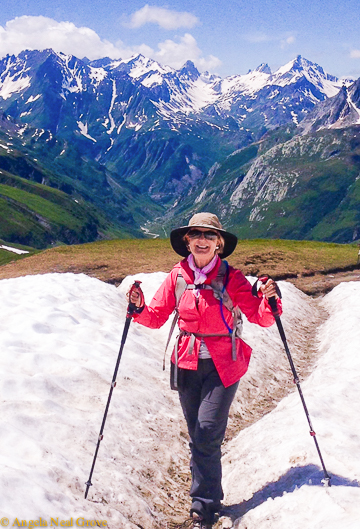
point(132, 306)
point(274, 306)
point(272, 301)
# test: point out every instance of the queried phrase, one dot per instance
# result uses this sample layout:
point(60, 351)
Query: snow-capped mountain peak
point(138, 67)
point(263, 68)
point(302, 69)
point(249, 83)
point(189, 72)
point(137, 90)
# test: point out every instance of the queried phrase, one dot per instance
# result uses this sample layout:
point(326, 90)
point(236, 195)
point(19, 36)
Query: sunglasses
point(209, 235)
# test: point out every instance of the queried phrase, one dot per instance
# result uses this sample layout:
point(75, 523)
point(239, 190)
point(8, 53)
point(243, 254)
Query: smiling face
point(202, 243)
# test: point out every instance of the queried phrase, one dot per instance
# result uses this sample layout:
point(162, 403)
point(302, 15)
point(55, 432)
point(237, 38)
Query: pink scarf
point(201, 273)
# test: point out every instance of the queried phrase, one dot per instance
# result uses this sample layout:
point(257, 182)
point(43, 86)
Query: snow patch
point(83, 127)
point(113, 97)
point(97, 75)
point(121, 124)
point(201, 197)
point(152, 80)
point(33, 98)
point(11, 85)
point(14, 250)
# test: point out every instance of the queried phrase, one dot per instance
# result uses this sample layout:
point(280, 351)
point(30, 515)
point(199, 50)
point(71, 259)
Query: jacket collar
point(188, 274)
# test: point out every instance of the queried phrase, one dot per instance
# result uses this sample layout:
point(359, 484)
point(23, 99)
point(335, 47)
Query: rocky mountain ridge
point(180, 139)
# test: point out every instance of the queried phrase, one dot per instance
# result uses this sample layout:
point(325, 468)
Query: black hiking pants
point(205, 403)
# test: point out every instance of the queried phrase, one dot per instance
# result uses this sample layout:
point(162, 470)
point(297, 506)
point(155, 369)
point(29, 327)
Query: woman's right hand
point(136, 296)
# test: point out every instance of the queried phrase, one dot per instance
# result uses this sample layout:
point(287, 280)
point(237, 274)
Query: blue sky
point(226, 38)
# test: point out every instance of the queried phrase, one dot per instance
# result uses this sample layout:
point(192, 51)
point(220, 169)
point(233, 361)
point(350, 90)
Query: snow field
point(59, 340)
point(277, 458)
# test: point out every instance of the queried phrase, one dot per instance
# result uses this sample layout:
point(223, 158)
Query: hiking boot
point(198, 522)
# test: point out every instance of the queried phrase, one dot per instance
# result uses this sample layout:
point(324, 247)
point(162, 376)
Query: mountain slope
point(38, 156)
point(38, 216)
point(338, 112)
point(41, 205)
point(143, 121)
point(146, 144)
point(305, 188)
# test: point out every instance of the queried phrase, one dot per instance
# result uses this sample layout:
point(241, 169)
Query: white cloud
point(175, 54)
point(165, 18)
point(258, 37)
point(355, 54)
point(287, 41)
point(30, 32)
point(38, 33)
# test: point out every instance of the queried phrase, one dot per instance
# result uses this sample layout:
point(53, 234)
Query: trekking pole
point(275, 311)
point(130, 310)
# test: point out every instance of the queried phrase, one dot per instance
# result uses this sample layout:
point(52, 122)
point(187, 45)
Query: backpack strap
point(180, 288)
point(219, 286)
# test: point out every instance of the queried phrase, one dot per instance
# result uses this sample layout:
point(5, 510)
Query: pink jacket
point(202, 315)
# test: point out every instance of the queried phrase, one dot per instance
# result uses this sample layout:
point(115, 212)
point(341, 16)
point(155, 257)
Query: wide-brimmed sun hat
point(202, 220)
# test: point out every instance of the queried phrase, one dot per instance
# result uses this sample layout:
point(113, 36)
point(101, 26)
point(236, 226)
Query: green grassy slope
point(113, 260)
point(36, 156)
point(37, 215)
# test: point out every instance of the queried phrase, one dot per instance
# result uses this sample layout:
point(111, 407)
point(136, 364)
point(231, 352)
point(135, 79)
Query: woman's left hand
point(268, 289)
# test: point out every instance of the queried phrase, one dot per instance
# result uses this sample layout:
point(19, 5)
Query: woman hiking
point(209, 357)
